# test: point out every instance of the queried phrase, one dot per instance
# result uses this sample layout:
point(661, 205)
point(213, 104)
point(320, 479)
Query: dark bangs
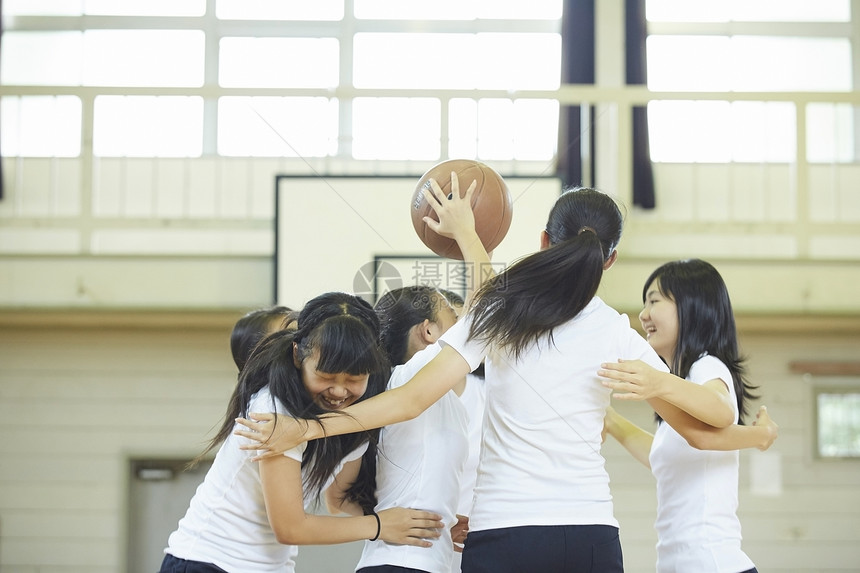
point(705, 318)
point(345, 344)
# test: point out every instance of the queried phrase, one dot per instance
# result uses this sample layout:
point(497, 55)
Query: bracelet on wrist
point(378, 526)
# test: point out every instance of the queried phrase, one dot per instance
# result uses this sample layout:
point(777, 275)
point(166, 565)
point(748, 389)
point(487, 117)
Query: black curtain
point(637, 74)
point(577, 67)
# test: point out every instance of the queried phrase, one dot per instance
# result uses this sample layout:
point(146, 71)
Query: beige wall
point(82, 393)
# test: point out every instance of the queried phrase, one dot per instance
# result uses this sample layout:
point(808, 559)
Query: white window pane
point(748, 10)
point(518, 61)
point(41, 8)
point(278, 62)
point(790, 64)
point(145, 7)
point(457, 10)
point(279, 10)
point(502, 129)
point(829, 133)
point(41, 126)
point(416, 9)
point(463, 128)
point(763, 131)
point(748, 63)
point(689, 63)
point(838, 424)
point(690, 131)
point(495, 130)
point(414, 61)
point(41, 58)
point(143, 58)
point(148, 126)
point(687, 11)
point(465, 61)
point(396, 128)
point(535, 129)
point(790, 10)
point(277, 126)
point(532, 10)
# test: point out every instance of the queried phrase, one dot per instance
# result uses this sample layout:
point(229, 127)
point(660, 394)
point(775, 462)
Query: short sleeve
point(709, 368)
point(355, 454)
point(457, 337)
point(262, 401)
point(297, 452)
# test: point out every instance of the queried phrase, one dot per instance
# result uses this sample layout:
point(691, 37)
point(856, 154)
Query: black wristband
point(378, 526)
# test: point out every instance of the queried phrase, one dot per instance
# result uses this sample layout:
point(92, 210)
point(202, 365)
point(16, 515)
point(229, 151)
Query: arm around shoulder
point(703, 436)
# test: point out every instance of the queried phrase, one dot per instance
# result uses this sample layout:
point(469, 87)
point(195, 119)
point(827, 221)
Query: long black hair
point(706, 322)
point(253, 327)
point(344, 331)
point(398, 311)
point(544, 290)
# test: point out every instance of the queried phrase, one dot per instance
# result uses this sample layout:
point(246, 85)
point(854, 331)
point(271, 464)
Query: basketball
point(491, 204)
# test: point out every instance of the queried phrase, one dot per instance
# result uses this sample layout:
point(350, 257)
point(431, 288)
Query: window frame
point(832, 386)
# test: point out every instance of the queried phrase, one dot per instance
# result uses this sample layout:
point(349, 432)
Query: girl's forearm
point(399, 404)
point(703, 436)
point(326, 530)
point(699, 401)
point(734, 437)
point(633, 438)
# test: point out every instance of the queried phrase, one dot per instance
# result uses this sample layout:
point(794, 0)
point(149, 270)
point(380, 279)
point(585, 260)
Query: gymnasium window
point(838, 422)
point(750, 46)
point(224, 74)
point(41, 126)
point(181, 82)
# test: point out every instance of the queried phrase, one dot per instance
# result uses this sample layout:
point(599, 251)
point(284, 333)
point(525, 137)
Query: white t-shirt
point(226, 523)
point(473, 397)
point(697, 495)
point(418, 466)
point(540, 455)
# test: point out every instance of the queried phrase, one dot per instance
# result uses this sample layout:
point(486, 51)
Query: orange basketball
point(491, 204)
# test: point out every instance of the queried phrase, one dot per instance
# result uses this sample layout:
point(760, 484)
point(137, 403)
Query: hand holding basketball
point(490, 200)
point(453, 211)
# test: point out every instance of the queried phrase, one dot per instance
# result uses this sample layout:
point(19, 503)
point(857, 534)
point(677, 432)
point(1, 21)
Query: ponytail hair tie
point(585, 228)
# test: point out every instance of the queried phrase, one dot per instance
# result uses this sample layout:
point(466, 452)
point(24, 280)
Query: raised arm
point(392, 406)
point(635, 380)
point(457, 221)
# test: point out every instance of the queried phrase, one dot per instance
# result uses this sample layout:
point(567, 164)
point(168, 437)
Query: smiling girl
point(688, 319)
point(248, 517)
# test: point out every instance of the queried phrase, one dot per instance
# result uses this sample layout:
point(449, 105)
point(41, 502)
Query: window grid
point(843, 150)
point(218, 31)
point(837, 414)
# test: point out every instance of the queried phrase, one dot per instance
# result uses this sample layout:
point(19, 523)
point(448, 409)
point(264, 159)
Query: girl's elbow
point(287, 535)
point(725, 419)
point(288, 538)
point(700, 440)
point(721, 417)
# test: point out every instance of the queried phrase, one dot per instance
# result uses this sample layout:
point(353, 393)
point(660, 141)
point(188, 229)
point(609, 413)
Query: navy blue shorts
point(544, 549)
point(172, 564)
